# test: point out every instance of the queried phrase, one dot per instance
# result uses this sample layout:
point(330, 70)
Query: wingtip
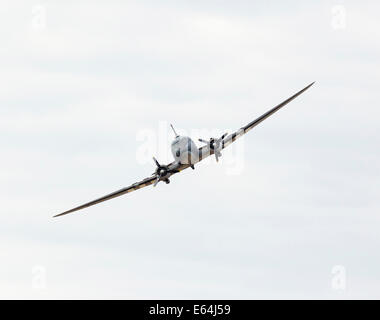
point(307, 87)
point(62, 214)
point(57, 215)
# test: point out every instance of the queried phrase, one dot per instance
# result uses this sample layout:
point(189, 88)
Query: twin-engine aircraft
point(186, 154)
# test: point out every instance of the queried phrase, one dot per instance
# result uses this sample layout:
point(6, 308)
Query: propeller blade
point(157, 163)
point(157, 180)
point(204, 141)
point(217, 157)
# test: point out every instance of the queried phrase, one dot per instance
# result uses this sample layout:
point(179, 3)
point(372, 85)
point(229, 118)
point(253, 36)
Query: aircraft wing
point(205, 151)
point(133, 187)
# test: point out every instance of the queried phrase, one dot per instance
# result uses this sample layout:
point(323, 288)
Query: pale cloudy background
point(80, 80)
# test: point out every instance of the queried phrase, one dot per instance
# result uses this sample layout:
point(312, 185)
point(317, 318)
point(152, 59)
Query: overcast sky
point(83, 83)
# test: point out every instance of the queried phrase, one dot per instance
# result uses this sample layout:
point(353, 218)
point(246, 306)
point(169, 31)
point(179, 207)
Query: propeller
point(161, 171)
point(215, 145)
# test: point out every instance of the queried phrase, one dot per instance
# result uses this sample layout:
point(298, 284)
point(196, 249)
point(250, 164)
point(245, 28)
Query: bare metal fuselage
point(184, 150)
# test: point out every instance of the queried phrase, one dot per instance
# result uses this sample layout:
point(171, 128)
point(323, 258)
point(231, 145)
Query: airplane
point(186, 154)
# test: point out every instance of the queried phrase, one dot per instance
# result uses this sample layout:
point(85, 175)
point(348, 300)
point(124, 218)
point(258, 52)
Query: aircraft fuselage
point(184, 150)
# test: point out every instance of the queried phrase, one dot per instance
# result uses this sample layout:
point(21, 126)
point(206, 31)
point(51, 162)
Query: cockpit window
point(175, 141)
